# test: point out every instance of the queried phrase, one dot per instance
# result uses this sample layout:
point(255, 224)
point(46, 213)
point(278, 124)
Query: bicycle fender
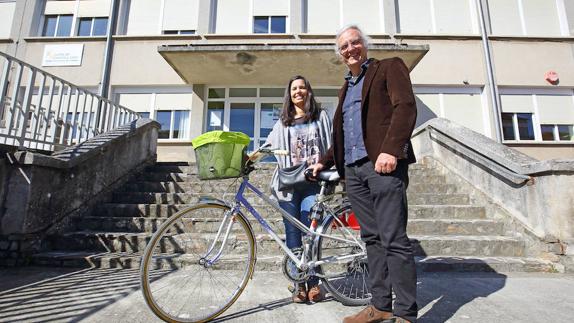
point(213, 200)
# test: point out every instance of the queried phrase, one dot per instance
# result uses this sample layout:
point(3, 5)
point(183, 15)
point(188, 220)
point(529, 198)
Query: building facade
point(503, 68)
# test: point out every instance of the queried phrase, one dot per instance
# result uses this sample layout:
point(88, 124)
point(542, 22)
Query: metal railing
point(41, 111)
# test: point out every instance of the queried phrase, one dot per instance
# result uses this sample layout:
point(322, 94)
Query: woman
point(304, 129)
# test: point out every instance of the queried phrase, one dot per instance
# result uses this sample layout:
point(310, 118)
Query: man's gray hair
point(366, 39)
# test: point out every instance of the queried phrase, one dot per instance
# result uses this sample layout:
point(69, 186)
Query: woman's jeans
point(300, 208)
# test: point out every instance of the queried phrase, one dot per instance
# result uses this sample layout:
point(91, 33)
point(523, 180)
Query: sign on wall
point(63, 55)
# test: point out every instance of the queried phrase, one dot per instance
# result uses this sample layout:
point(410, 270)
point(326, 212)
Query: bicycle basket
point(220, 154)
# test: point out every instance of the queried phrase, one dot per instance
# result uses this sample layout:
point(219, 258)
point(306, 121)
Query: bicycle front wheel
point(346, 280)
point(189, 272)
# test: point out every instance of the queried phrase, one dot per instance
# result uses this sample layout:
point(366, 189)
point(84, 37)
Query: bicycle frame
point(301, 263)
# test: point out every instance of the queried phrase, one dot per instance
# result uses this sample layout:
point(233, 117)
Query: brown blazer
point(388, 114)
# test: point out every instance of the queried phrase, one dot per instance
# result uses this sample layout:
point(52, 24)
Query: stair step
point(415, 226)
point(190, 198)
point(427, 245)
point(273, 263)
point(165, 210)
point(467, 245)
point(217, 186)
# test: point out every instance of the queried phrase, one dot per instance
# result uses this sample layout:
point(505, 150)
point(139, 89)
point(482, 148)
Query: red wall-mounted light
point(551, 77)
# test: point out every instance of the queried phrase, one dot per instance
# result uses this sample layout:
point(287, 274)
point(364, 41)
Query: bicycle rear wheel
point(347, 281)
point(180, 281)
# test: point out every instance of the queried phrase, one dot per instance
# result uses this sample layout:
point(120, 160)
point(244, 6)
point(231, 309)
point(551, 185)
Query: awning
point(271, 64)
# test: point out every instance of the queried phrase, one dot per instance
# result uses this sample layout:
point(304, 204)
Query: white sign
point(268, 119)
point(215, 119)
point(63, 55)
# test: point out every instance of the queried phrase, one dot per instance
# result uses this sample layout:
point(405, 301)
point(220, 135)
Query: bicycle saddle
point(330, 175)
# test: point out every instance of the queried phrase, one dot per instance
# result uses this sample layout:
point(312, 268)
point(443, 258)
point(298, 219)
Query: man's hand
point(316, 168)
point(385, 163)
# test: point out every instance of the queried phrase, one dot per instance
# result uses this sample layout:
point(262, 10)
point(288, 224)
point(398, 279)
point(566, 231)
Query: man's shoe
point(369, 315)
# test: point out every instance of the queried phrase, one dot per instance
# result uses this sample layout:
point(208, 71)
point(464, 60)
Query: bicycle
point(191, 273)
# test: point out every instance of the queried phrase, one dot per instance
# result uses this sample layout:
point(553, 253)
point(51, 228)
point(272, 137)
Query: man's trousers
point(380, 205)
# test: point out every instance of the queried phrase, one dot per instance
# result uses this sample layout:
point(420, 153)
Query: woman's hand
point(316, 168)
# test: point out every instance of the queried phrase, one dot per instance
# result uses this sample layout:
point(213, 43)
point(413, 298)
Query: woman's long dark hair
point(311, 107)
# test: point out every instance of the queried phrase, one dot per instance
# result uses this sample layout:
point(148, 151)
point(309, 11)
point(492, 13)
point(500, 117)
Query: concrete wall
point(3, 178)
point(544, 152)
point(43, 190)
point(536, 194)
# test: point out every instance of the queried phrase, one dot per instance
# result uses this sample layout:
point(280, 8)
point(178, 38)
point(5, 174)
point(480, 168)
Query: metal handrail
point(39, 110)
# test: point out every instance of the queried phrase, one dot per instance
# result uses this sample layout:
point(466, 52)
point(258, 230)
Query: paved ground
point(107, 296)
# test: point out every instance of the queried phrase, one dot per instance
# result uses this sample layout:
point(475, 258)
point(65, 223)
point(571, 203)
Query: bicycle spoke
point(179, 284)
point(345, 279)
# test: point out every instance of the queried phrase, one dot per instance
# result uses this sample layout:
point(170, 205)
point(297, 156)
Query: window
point(242, 119)
point(526, 17)
point(517, 126)
point(178, 32)
point(542, 116)
point(461, 105)
point(557, 132)
point(170, 107)
point(96, 26)
point(327, 16)
point(269, 24)
point(436, 17)
point(174, 124)
point(180, 17)
point(253, 111)
point(57, 25)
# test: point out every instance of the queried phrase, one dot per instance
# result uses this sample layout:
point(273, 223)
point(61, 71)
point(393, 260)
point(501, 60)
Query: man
point(371, 149)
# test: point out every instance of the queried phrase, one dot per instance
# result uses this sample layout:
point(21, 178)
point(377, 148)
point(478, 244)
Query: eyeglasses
point(350, 44)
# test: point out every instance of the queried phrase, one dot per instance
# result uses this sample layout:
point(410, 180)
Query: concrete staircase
point(449, 231)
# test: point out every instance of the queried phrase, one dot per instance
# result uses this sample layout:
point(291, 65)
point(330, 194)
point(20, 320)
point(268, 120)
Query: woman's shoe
point(299, 295)
point(315, 294)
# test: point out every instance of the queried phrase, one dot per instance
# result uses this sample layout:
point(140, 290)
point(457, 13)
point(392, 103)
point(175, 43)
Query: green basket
point(220, 154)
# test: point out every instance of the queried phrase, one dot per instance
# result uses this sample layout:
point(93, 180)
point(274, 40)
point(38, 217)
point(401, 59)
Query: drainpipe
point(105, 83)
point(490, 72)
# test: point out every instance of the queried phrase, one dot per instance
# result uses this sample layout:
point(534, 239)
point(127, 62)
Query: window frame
point(152, 109)
point(474, 20)
point(556, 132)
point(258, 101)
point(269, 24)
point(178, 32)
point(536, 124)
point(560, 12)
point(58, 17)
point(92, 24)
point(172, 113)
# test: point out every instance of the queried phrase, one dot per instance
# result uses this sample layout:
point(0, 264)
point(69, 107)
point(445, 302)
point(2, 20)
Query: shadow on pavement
point(259, 308)
point(63, 295)
point(441, 295)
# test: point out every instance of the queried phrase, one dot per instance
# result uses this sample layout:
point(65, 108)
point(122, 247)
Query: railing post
point(26, 108)
point(35, 128)
point(14, 104)
point(4, 86)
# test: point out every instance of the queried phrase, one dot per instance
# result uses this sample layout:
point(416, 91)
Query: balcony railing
point(41, 111)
